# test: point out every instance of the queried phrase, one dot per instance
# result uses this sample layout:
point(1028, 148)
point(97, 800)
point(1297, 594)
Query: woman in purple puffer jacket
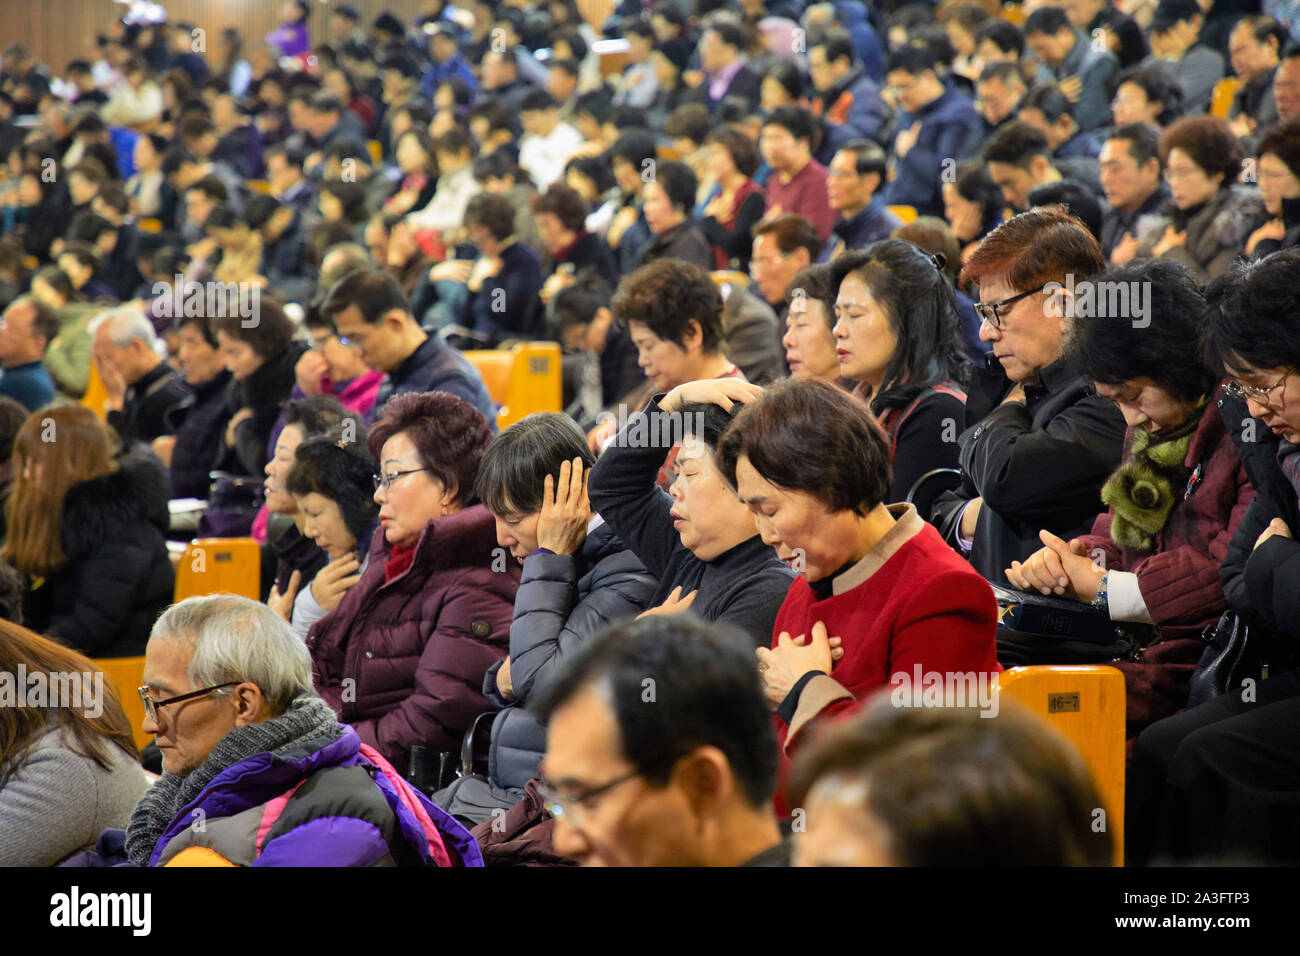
point(402, 657)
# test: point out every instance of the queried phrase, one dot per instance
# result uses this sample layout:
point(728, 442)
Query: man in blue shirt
point(26, 328)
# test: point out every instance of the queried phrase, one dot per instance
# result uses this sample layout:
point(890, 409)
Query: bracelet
point(1102, 601)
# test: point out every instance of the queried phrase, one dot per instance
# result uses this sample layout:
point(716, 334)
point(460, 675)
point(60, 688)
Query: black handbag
point(1038, 629)
point(233, 502)
point(1228, 659)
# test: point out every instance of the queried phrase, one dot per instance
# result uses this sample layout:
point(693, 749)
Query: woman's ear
point(692, 336)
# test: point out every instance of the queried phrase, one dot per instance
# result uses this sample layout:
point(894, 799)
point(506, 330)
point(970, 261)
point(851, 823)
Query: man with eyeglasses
point(660, 750)
point(1039, 442)
point(371, 315)
point(257, 770)
point(1222, 774)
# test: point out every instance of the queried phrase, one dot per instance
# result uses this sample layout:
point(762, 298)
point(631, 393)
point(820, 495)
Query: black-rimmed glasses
point(990, 312)
point(151, 706)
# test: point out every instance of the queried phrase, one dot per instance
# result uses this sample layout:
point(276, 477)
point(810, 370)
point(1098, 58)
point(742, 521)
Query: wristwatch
point(1101, 601)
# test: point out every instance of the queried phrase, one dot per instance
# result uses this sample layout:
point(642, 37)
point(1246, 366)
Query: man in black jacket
point(146, 397)
point(726, 70)
point(1039, 442)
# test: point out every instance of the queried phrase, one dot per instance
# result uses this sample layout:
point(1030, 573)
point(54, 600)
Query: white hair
point(126, 323)
point(238, 639)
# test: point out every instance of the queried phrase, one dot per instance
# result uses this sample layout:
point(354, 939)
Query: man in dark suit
point(726, 70)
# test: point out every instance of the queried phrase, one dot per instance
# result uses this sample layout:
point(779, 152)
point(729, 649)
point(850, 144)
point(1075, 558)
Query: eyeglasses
point(567, 808)
point(1253, 393)
point(385, 481)
point(352, 342)
point(990, 311)
point(151, 706)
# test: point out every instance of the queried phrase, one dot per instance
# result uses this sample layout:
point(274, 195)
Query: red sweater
point(912, 601)
point(804, 194)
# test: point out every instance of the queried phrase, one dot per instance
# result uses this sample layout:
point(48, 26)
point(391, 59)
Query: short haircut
point(743, 152)
point(454, 141)
point(868, 157)
point(1263, 28)
point(1003, 70)
point(1209, 142)
point(594, 168)
point(344, 473)
point(578, 302)
point(709, 694)
point(913, 59)
point(796, 120)
point(689, 121)
point(212, 187)
point(1165, 348)
point(666, 296)
point(324, 102)
point(1283, 141)
point(269, 336)
point(565, 66)
point(494, 213)
point(948, 786)
point(835, 45)
point(1048, 99)
point(449, 435)
point(933, 236)
point(678, 182)
point(1143, 141)
point(1076, 199)
point(728, 33)
point(235, 638)
point(1002, 34)
point(45, 321)
point(1034, 248)
point(83, 252)
point(565, 204)
point(1158, 86)
point(321, 416)
point(812, 437)
point(788, 74)
point(125, 325)
point(374, 292)
point(633, 146)
point(1250, 313)
point(537, 101)
point(1016, 144)
point(512, 474)
point(1049, 20)
point(791, 231)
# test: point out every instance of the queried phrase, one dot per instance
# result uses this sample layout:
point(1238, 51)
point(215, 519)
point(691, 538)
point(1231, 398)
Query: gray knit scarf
point(309, 719)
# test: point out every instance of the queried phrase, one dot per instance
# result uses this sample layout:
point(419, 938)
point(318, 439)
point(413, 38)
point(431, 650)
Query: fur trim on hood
point(104, 507)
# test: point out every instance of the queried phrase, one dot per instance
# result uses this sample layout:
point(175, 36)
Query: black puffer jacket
point(561, 602)
point(264, 392)
point(119, 577)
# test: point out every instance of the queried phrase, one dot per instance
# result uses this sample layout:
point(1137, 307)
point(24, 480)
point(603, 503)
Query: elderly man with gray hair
point(257, 770)
point(146, 396)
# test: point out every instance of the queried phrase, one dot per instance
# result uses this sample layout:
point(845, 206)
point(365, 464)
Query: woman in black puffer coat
point(88, 529)
point(260, 353)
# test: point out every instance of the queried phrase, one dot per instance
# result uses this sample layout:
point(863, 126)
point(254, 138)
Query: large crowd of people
point(877, 320)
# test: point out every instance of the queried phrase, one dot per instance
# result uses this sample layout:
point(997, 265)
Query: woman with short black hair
point(812, 465)
point(1174, 503)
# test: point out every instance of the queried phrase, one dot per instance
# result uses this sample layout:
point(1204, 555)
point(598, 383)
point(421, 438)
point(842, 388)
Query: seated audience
point(506, 278)
point(1215, 781)
point(668, 205)
point(1037, 443)
point(1174, 504)
point(146, 398)
point(846, 96)
point(254, 738)
point(332, 484)
point(70, 767)
point(1075, 63)
point(798, 182)
point(896, 335)
point(371, 315)
point(260, 358)
point(577, 578)
point(1255, 48)
point(693, 776)
point(783, 245)
point(853, 183)
point(331, 368)
point(809, 339)
point(27, 326)
point(582, 315)
point(87, 526)
point(435, 581)
point(736, 203)
point(1176, 44)
point(69, 355)
point(1131, 178)
point(1277, 162)
point(811, 465)
point(194, 450)
point(944, 786)
point(1019, 159)
point(973, 206)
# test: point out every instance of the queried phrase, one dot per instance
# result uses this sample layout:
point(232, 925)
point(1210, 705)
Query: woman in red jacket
point(1153, 557)
point(402, 657)
point(813, 466)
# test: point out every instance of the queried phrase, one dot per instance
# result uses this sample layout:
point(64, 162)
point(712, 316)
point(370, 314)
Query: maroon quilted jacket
point(1179, 579)
point(414, 650)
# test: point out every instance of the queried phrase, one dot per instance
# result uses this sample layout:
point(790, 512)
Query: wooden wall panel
point(61, 30)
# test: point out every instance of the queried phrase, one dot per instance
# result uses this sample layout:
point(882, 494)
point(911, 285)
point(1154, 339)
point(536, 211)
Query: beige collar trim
point(908, 523)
